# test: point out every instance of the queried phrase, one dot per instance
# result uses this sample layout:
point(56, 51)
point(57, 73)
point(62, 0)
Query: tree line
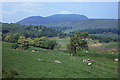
point(98, 31)
point(26, 36)
point(30, 31)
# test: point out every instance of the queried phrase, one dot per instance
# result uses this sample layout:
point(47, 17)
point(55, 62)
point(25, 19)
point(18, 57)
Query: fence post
point(115, 69)
point(109, 67)
point(102, 66)
point(97, 64)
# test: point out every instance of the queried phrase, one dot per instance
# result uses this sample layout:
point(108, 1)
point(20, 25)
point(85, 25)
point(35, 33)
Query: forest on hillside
point(30, 31)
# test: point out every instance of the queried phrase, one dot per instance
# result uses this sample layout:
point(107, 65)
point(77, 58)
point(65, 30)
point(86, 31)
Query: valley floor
point(41, 64)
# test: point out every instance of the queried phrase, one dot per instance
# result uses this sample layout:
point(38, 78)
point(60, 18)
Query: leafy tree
point(77, 42)
point(21, 39)
point(50, 44)
point(7, 38)
point(39, 42)
point(31, 41)
point(24, 43)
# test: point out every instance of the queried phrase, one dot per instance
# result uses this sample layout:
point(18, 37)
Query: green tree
point(78, 42)
point(21, 39)
point(31, 41)
point(16, 37)
point(7, 38)
point(24, 43)
point(39, 42)
point(50, 44)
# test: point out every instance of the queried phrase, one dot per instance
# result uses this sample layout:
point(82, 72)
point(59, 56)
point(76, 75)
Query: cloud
point(65, 12)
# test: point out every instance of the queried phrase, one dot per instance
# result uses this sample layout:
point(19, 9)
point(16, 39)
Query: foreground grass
point(27, 65)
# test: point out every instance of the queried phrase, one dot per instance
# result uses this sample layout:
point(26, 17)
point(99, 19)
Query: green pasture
point(27, 64)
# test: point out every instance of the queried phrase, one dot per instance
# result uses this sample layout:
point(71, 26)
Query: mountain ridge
point(56, 18)
point(65, 23)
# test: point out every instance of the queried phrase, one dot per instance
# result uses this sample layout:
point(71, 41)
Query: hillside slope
point(37, 20)
point(86, 24)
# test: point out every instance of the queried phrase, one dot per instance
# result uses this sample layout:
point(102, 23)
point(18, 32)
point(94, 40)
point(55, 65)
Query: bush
point(50, 44)
point(15, 45)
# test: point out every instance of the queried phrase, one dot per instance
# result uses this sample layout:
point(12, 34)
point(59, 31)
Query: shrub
point(15, 45)
point(50, 44)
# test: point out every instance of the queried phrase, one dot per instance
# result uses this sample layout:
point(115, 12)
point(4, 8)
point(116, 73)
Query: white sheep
point(58, 61)
point(84, 60)
point(116, 59)
point(39, 59)
point(86, 51)
point(89, 64)
point(33, 50)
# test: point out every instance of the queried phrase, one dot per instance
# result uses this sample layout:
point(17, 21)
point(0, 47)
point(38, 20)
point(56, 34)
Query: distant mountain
point(70, 22)
point(57, 18)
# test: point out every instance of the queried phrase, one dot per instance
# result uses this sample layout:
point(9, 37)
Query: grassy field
point(62, 42)
point(41, 64)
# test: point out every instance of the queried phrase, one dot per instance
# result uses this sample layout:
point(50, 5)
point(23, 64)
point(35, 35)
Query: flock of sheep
point(88, 61)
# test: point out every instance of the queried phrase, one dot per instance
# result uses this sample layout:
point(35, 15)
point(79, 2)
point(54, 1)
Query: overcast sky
point(15, 11)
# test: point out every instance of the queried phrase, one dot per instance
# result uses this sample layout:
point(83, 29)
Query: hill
point(57, 18)
point(70, 22)
point(29, 31)
point(85, 24)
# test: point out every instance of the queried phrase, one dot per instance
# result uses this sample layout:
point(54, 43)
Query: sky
point(15, 11)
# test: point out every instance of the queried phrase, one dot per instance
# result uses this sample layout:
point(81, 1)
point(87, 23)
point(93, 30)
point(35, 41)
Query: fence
point(109, 68)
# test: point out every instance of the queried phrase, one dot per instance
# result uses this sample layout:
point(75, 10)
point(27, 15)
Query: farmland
point(41, 64)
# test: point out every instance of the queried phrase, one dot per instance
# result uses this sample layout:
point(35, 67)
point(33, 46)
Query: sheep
point(86, 51)
point(39, 59)
point(89, 64)
point(116, 59)
point(58, 61)
point(85, 60)
point(88, 60)
point(33, 50)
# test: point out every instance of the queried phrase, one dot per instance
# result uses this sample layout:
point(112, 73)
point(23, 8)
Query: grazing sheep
point(39, 59)
point(83, 60)
point(87, 60)
point(33, 50)
point(58, 61)
point(116, 59)
point(89, 64)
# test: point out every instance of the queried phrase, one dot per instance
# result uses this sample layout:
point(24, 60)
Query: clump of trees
point(29, 31)
point(78, 42)
point(24, 43)
point(30, 35)
point(50, 44)
point(11, 38)
point(42, 42)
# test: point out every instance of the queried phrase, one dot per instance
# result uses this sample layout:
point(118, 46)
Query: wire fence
point(102, 66)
